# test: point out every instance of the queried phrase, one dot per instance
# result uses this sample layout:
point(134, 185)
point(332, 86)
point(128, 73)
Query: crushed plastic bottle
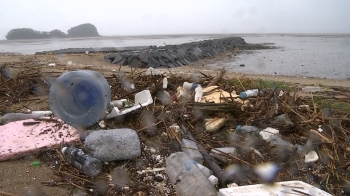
point(190, 86)
point(247, 129)
point(75, 156)
point(187, 177)
point(249, 93)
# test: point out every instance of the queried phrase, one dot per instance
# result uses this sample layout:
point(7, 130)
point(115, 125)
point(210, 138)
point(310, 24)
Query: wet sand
point(303, 56)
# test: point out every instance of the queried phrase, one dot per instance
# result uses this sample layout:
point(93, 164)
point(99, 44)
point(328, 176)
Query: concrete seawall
point(178, 55)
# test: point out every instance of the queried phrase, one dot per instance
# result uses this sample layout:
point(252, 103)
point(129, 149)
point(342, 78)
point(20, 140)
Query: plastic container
point(187, 177)
point(11, 117)
point(247, 129)
point(198, 94)
point(75, 156)
point(80, 98)
point(249, 93)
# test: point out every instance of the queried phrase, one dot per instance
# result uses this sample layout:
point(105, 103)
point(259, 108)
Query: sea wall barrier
point(178, 55)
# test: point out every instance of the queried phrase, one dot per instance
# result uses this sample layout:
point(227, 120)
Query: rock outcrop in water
point(176, 55)
point(83, 30)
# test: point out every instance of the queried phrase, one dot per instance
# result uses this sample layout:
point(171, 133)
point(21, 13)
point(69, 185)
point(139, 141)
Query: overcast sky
point(138, 17)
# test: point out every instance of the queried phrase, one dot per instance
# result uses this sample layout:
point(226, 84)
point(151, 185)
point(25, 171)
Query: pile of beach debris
point(241, 125)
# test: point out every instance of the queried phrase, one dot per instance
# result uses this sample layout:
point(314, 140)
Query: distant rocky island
point(83, 30)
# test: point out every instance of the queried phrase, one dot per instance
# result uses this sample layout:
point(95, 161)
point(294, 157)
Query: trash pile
point(177, 134)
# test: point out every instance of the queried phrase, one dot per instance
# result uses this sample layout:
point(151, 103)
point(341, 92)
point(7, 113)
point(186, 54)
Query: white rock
point(311, 157)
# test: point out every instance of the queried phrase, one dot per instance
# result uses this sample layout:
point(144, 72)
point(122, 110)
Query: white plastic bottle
point(186, 176)
point(198, 94)
point(249, 93)
point(165, 83)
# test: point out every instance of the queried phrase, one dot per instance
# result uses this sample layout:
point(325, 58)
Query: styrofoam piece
point(272, 135)
point(287, 188)
point(142, 99)
point(311, 157)
point(27, 136)
point(152, 71)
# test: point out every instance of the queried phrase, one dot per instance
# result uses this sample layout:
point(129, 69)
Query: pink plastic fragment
point(27, 136)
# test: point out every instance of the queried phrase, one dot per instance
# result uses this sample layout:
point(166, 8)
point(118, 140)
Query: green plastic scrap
point(36, 163)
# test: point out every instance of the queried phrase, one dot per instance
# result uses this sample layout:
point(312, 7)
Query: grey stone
point(133, 62)
point(179, 63)
point(190, 148)
point(162, 63)
point(117, 58)
point(115, 144)
point(144, 57)
point(170, 65)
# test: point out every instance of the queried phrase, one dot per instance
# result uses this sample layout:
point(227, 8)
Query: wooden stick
point(7, 194)
point(217, 78)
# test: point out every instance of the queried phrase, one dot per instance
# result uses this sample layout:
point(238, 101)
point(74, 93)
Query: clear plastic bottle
point(187, 177)
point(75, 156)
point(247, 129)
point(11, 117)
point(249, 93)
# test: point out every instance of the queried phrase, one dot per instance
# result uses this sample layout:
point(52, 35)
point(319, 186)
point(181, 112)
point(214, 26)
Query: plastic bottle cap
point(64, 150)
point(36, 163)
point(239, 128)
point(194, 86)
point(242, 95)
